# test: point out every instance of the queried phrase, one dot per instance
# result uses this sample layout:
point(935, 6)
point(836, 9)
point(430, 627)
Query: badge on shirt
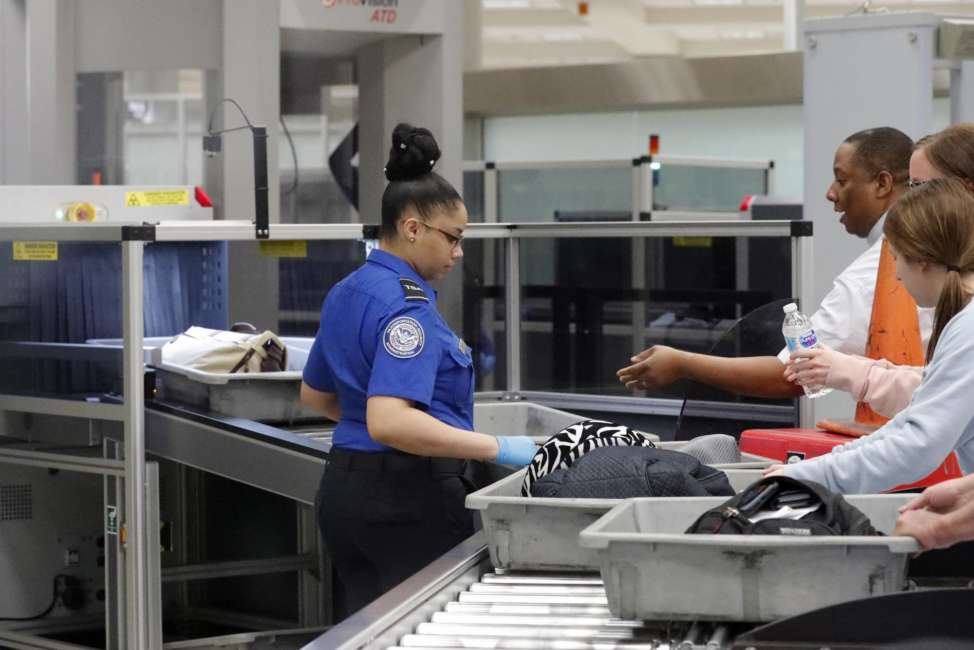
point(404, 338)
point(463, 347)
point(412, 291)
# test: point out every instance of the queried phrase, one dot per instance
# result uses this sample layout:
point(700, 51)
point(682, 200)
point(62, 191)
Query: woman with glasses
point(399, 382)
point(886, 387)
point(947, 153)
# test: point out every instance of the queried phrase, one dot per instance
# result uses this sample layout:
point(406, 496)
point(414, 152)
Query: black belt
point(348, 459)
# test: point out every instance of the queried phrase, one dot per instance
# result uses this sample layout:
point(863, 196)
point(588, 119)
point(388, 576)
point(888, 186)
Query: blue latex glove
point(515, 450)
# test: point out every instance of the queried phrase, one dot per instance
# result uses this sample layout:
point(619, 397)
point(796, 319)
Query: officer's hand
point(515, 450)
point(657, 367)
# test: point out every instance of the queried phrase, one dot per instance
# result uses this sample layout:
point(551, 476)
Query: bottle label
point(803, 341)
point(808, 339)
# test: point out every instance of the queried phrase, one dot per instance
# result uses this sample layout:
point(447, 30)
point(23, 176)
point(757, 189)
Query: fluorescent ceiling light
point(561, 37)
point(543, 5)
point(506, 4)
point(741, 34)
point(718, 3)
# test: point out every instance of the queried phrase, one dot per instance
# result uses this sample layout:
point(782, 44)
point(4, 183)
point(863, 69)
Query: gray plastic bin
point(521, 419)
point(530, 533)
point(266, 396)
point(654, 571)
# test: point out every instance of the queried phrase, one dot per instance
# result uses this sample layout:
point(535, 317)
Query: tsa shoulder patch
point(404, 338)
point(412, 291)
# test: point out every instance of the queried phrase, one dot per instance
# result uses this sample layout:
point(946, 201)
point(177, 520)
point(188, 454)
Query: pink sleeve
point(886, 387)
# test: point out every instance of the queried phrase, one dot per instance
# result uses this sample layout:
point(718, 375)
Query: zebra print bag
point(573, 442)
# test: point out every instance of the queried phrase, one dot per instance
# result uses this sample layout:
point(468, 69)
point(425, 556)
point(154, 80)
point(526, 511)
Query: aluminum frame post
point(153, 549)
point(491, 193)
point(801, 288)
point(491, 197)
point(114, 557)
point(134, 521)
point(513, 300)
point(641, 194)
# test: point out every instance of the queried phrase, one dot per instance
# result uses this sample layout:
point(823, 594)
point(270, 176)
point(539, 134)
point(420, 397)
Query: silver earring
point(412, 240)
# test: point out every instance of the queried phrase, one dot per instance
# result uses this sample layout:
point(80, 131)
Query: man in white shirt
point(871, 171)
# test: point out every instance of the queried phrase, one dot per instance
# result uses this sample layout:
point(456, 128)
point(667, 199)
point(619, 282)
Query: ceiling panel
point(525, 33)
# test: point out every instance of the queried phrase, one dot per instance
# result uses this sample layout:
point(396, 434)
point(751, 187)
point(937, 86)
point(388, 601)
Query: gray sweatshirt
point(938, 420)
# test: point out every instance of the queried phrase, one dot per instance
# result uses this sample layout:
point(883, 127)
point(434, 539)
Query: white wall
point(768, 132)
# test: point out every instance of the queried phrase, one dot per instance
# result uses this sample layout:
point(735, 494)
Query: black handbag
point(832, 516)
point(625, 472)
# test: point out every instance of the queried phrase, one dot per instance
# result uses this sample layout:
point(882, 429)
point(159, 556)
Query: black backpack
point(624, 472)
point(834, 516)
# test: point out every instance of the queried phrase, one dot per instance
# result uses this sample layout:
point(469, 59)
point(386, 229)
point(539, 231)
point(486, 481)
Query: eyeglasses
point(451, 239)
point(912, 183)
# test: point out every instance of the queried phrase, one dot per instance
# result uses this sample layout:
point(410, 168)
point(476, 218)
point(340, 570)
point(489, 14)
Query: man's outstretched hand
point(652, 369)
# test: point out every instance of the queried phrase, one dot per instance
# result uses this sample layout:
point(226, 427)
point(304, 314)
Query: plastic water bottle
point(799, 335)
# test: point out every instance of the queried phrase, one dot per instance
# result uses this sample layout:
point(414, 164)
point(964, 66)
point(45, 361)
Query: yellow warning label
point(284, 248)
point(153, 198)
point(35, 251)
point(693, 242)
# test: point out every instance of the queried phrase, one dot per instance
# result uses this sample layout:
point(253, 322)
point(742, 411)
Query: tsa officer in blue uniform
point(387, 368)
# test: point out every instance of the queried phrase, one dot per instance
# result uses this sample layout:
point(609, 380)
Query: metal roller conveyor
point(415, 642)
point(460, 602)
point(527, 610)
point(534, 589)
point(527, 599)
point(559, 579)
point(532, 626)
point(451, 618)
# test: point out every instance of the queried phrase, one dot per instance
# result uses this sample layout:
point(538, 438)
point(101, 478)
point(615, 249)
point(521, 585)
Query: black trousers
point(386, 516)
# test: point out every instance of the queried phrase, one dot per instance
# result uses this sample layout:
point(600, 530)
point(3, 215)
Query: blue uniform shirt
point(380, 334)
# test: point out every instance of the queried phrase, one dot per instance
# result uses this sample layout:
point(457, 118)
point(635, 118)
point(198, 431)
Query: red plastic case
point(784, 444)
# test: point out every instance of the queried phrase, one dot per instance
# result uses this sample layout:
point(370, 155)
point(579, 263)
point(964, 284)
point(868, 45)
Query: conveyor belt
point(461, 602)
point(547, 611)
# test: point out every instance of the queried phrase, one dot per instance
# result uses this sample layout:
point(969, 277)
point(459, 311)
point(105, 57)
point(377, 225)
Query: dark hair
point(883, 149)
point(935, 223)
point(952, 151)
point(412, 181)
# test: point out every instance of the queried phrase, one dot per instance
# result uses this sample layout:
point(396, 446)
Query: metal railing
point(135, 620)
point(644, 183)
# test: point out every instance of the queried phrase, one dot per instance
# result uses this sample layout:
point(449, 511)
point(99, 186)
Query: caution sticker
point(284, 248)
point(35, 251)
point(693, 242)
point(154, 198)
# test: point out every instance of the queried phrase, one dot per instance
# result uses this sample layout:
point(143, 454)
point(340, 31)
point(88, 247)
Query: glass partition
point(473, 194)
point(586, 297)
point(305, 279)
point(484, 311)
point(572, 191)
point(593, 303)
point(565, 192)
point(700, 188)
point(74, 295)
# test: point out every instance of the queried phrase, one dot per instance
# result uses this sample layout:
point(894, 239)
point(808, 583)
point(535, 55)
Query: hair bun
point(414, 152)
